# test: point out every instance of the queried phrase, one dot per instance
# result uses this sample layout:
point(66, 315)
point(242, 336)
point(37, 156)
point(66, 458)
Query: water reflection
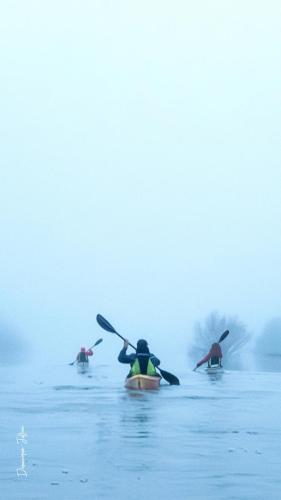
point(137, 418)
point(214, 375)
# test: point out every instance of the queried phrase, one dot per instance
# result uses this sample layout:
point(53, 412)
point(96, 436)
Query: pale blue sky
point(140, 165)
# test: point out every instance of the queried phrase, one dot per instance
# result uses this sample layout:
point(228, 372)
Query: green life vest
point(135, 369)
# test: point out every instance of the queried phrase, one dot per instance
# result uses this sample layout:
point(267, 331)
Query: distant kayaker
point(142, 361)
point(82, 356)
point(212, 358)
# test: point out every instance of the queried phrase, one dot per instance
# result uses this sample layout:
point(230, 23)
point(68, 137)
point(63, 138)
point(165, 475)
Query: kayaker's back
point(82, 357)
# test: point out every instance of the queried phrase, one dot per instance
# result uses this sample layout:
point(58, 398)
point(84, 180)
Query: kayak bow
point(82, 366)
point(214, 369)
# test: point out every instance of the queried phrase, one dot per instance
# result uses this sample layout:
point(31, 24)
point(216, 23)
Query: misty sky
point(140, 167)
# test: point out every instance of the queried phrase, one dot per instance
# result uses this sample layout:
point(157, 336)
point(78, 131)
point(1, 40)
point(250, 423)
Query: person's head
point(215, 349)
point(83, 349)
point(142, 347)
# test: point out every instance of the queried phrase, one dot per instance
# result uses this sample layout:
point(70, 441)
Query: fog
point(13, 347)
point(268, 346)
point(140, 170)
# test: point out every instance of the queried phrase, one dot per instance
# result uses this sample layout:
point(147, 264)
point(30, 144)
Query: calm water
point(88, 437)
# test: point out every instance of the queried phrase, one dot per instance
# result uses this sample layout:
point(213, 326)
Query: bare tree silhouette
point(208, 332)
point(12, 346)
point(269, 342)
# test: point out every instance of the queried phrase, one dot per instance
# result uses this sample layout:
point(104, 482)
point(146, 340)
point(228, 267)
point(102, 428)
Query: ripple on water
point(210, 398)
point(75, 388)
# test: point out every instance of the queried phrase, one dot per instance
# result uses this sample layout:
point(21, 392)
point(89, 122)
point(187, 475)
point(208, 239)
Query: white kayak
point(214, 369)
point(82, 366)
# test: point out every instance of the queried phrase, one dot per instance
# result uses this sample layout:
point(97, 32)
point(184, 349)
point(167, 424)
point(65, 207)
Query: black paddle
point(96, 343)
point(222, 337)
point(172, 379)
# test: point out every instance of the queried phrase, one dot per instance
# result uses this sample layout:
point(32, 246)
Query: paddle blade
point(97, 342)
point(169, 377)
point(104, 324)
point(223, 336)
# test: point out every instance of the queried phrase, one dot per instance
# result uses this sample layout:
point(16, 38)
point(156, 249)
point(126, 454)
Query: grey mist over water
point(139, 169)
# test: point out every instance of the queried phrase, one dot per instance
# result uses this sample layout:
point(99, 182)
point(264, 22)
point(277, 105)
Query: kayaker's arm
point(126, 358)
point(204, 360)
point(154, 360)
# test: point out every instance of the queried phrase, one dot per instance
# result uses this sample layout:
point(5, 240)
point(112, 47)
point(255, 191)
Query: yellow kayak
point(145, 382)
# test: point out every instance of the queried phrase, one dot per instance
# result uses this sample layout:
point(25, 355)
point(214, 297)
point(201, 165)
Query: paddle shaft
point(125, 340)
point(91, 346)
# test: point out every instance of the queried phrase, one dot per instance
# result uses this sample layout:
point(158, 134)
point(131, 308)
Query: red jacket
point(215, 352)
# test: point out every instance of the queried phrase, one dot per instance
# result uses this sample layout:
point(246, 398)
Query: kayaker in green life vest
point(142, 361)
